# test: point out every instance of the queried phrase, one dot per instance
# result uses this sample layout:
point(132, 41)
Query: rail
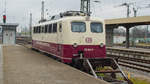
point(23, 40)
point(136, 46)
point(135, 59)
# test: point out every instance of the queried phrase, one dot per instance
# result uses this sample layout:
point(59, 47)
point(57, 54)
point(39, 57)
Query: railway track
point(136, 46)
point(132, 59)
point(23, 40)
point(138, 64)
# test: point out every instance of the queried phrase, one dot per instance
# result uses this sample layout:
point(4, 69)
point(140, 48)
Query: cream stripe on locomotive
point(64, 33)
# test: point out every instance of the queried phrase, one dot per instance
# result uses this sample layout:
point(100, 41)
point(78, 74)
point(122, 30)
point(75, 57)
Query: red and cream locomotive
point(70, 36)
point(78, 40)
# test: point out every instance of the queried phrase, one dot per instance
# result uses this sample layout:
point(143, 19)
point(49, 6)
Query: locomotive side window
point(50, 28)
point(54, 27)
point(96, 27)
point(46, 28)
point(42, 29)
point(38, 29)
point(34, 29)
point(60, 27)
point(78, 27)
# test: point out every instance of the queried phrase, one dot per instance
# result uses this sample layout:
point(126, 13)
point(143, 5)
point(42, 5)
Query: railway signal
point(4, 12)
point(4, 18)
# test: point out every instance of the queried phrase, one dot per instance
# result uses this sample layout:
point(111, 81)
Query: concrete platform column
point(109, 36)
point(127, 37)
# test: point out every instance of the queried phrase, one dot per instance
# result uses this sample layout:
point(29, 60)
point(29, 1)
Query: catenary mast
point(85, 7)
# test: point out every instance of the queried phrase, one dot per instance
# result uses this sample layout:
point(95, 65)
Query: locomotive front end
point(86, 38)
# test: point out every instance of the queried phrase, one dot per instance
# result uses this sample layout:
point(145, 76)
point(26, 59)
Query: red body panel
point(67, 52)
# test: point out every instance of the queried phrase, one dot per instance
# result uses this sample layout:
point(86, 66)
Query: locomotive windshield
point(78, 27)
point(96, 27)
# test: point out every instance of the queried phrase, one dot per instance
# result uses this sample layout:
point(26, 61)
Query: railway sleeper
point(130, 58)
point(94, 67)
point(136, 64)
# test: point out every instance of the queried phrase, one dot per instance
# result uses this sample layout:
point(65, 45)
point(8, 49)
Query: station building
point(8, 33)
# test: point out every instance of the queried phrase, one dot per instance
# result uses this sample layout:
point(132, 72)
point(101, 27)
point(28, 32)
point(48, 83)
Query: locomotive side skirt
point(67, 52)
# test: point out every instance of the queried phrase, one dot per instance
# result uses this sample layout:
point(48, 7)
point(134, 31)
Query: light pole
point(135, 10)
point(147, 25)
point(128, 8)
point(146, 34)
point(30, 25)
point(42, 10)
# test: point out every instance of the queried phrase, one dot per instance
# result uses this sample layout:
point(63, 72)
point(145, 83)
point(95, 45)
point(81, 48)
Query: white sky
point(18, 10)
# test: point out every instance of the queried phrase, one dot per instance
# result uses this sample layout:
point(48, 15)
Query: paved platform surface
point(1, 66)
point(23, 66)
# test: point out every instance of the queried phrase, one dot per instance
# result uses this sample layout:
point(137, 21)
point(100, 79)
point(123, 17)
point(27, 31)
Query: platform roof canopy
point(131, 22)
point(127, 23)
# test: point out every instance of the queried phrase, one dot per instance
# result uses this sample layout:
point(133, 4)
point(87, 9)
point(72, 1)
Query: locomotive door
point(59, 38)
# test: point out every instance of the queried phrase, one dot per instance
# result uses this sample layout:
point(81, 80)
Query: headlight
point(75, 45)
point(101, 45)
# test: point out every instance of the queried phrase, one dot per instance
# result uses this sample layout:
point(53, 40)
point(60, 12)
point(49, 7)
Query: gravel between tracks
point(23, 66)
point(137, 74)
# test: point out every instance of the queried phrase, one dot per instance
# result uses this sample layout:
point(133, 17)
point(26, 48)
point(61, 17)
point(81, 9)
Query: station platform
point(23, 66)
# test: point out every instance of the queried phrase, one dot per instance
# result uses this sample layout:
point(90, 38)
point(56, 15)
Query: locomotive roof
point(71, 18)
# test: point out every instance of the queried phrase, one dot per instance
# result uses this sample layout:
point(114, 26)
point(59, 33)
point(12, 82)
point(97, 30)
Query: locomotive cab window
point(96, 27)
point(78, 27)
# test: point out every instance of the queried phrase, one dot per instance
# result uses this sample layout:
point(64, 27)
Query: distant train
point(70, 37)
